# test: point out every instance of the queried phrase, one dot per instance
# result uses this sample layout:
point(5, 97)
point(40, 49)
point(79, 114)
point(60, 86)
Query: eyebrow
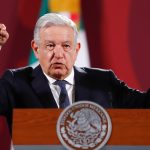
point(47, 41)
point(66, 42)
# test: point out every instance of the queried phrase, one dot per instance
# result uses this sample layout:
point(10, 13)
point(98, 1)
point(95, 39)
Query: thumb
point(2, 27)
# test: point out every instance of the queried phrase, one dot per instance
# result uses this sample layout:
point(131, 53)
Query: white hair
point(53, 19)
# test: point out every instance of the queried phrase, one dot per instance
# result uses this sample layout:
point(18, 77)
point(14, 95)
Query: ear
point(78, 45)
point(35, 48)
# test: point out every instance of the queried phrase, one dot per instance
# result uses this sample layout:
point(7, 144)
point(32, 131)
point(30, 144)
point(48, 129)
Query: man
point(56, 47)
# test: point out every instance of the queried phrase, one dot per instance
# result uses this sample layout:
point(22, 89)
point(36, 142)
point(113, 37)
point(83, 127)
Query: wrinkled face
point(56, 51)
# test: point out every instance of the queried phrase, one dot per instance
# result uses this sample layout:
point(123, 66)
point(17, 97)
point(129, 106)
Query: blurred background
point(115, 34)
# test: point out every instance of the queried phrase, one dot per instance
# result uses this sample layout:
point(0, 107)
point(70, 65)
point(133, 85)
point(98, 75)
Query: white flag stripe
point(83, 59)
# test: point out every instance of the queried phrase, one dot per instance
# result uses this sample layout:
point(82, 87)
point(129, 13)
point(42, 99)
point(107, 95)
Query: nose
point(58, 51)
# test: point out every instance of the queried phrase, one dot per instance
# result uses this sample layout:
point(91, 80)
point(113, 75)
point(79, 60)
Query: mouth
point(58, 65)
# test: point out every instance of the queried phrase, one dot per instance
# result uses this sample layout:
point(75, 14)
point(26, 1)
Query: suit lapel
point(82, 92)
point(42, 89)
point(87, 88)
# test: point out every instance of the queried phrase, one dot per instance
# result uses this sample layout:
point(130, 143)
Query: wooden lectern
point(38, 126)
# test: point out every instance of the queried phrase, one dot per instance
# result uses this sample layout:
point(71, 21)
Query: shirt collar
point(69, 78)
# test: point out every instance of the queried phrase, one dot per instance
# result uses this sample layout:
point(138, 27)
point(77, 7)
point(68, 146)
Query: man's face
point(56, 51)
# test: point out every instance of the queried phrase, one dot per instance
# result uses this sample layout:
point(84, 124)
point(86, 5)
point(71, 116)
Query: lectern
point(130, 127)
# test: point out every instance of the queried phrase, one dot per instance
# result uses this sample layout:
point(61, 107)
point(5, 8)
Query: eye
point(50, 46)
point(66, 47)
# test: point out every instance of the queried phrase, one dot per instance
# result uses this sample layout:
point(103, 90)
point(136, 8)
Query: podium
point(130, 127)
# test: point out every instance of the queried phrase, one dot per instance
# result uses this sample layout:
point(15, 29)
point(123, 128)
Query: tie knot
point(61, 83)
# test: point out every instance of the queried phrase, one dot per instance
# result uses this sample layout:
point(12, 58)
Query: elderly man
point(56, 82)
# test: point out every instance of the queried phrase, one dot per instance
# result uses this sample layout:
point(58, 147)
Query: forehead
point(57, 33)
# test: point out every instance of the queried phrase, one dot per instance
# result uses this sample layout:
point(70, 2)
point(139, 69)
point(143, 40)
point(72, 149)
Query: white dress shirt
point(56, 89)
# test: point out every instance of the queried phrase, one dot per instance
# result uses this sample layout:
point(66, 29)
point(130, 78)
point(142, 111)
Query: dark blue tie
point(63, 97)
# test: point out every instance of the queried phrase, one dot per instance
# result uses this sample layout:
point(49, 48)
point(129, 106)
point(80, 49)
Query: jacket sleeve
point(6, 97)
point(126, 97)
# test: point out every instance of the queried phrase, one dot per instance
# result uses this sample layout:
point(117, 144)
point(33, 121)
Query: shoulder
point(19, 73)
point(94, 71)
point(95, 75)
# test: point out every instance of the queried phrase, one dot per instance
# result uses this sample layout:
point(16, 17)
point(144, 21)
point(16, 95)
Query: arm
point(6, 97)
point(3, 35)
point(126, 97)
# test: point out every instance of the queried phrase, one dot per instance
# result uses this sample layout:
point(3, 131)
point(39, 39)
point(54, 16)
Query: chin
point(59, 74)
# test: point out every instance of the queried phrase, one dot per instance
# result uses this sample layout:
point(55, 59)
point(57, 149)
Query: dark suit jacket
point(28, 88)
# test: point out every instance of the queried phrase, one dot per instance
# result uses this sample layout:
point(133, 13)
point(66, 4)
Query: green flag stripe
point(44, 9)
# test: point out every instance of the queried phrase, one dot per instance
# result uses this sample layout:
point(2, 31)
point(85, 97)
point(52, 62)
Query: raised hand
point(3, 35)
